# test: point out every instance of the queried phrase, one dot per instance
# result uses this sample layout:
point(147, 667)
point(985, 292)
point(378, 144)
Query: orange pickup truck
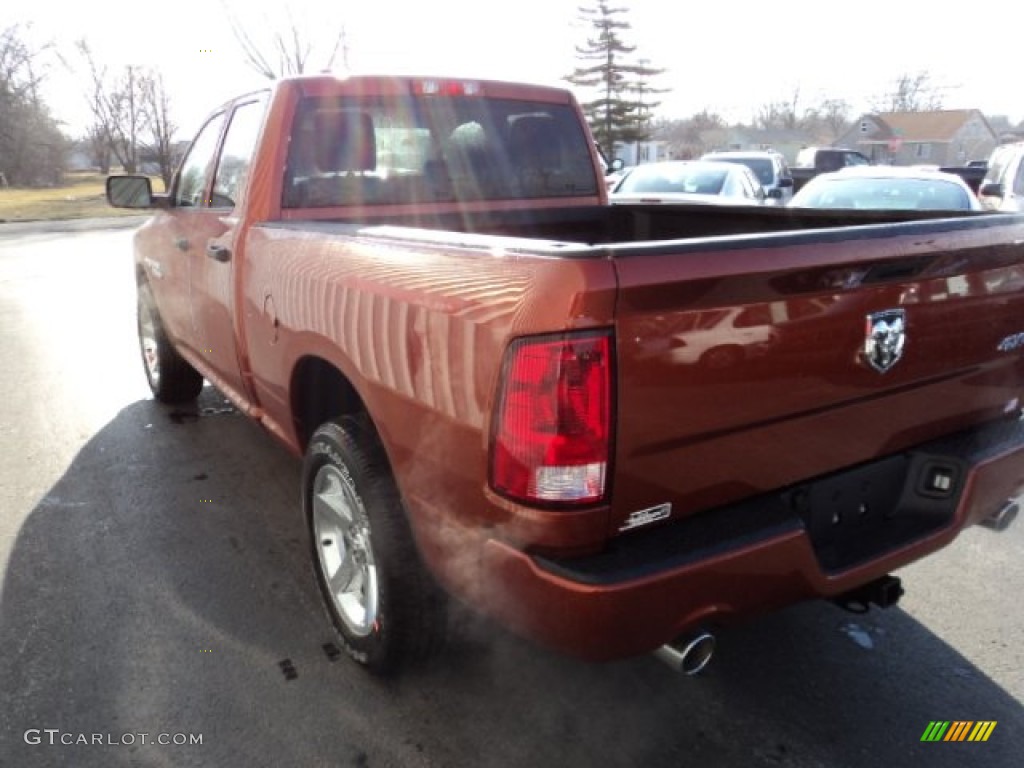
point(615, 429)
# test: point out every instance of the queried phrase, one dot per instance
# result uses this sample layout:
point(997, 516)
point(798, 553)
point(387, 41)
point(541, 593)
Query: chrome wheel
point(148, 341)
point(386, 610)
point(346, 560)
point(171, 378)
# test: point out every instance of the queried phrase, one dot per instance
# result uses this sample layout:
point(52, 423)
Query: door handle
point(181, 243)
point(219, 253)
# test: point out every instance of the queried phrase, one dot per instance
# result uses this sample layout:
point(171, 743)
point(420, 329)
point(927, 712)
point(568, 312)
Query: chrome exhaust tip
point(1002, 518)
point(688, 655)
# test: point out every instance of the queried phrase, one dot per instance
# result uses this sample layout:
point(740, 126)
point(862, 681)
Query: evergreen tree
point(618, 111)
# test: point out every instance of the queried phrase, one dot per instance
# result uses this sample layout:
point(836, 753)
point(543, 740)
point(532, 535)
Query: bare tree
point(290, 47)
point(782, 114)
point(32, 146)
point(132, 116)
point(910, 92)
point(99, 148)
point(692, 136)
point(160, 128)
point(829, 117)
point(834, 116)
point(118, 108)
point(19, 72)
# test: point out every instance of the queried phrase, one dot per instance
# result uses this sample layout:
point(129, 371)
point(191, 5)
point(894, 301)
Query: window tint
point(380, 151)
point(762, 167)
point(750, 185)
point(1018, 181)
point(998, 163)
point(236, 153)
point(732, 187)
point(682, 177)
point(192, 177)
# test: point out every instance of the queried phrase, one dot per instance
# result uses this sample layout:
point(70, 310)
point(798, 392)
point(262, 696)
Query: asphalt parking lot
point(154, 580)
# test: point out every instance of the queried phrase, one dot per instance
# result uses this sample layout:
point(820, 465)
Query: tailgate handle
point(218, 252)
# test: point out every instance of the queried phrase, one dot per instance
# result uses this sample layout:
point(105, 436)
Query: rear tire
point(384, 605)
point(170, 377)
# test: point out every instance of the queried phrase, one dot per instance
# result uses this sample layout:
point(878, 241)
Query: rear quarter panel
point(420, 330)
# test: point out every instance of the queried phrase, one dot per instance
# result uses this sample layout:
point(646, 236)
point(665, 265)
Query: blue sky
point(730, 58)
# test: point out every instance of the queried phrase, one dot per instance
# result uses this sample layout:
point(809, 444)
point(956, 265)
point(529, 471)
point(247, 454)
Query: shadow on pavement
point(159, 586)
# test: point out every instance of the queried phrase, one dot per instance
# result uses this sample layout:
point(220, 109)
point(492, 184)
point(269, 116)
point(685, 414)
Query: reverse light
point(552, 427)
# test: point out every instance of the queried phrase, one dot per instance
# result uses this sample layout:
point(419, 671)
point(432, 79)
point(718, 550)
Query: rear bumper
point(729, 564)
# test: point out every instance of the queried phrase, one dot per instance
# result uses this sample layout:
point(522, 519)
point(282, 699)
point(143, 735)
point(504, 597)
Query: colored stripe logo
point(958, 730)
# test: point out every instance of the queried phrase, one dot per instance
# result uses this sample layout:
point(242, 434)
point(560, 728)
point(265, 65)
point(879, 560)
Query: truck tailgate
point(745, 365)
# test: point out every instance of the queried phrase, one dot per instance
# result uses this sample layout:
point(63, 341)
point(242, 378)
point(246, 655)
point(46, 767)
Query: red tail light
point(552, 426)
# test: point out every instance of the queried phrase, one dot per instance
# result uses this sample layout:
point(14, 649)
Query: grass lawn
point(81, 197)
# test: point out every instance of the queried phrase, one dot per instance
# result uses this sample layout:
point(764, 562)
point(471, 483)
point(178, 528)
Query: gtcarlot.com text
point(55, 737)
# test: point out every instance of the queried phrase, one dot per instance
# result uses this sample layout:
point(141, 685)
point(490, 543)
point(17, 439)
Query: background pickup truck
point(973, 173)
point(811, 161)
point(612, 428)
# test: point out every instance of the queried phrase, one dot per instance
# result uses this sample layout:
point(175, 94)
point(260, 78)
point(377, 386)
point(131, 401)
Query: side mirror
point(130, 192)
point(616, 165)
point(775, 193)
point(785, 183)
point(991, 189)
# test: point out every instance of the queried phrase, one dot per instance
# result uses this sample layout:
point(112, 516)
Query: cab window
point(190, 191)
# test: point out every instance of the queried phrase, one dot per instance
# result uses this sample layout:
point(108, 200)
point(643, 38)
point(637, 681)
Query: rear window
point(883, 194)
point(430, 149)
point(673, 178)
point(761, 166)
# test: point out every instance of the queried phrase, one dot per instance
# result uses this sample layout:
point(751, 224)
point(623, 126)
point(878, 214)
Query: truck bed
point(604, 225)
point(739, 332)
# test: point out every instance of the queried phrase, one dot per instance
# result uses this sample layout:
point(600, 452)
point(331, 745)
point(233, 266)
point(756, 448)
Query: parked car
point(770, 168)
point(716, 338)
point(692, 181)
point(1002, 189)
point(886, 187)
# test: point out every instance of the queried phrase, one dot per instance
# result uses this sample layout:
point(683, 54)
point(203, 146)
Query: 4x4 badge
point(885, 336)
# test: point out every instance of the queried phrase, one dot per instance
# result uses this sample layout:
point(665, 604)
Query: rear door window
point(236, 154)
